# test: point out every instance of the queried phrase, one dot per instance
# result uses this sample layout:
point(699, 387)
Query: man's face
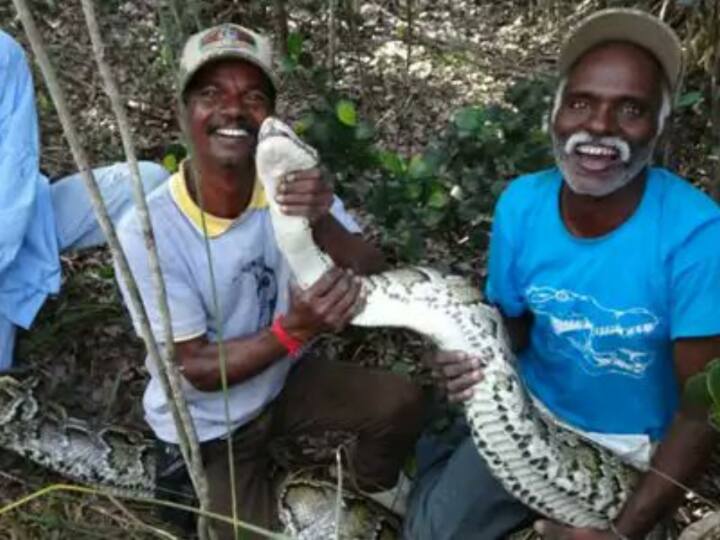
point(605, 128)
point(226, 102)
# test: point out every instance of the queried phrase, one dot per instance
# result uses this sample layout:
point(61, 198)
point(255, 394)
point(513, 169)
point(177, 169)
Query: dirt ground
point(407, 79)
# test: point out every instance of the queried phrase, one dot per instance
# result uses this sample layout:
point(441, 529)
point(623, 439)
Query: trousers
point(383, 410)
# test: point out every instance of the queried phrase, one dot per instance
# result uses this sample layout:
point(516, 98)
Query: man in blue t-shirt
point(607, 272)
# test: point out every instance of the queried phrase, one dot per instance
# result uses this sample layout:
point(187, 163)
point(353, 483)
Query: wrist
point(290, 342)
point(616, 532)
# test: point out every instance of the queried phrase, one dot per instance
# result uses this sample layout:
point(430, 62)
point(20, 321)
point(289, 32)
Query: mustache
point(583, 137)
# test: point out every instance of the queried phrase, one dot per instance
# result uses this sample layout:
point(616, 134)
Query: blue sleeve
point(695, 285)
point(187, 314)
point(18, 149)
point(502, 287)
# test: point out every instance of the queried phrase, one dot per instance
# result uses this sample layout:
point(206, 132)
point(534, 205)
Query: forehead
point(616, 68)
point(227, 70)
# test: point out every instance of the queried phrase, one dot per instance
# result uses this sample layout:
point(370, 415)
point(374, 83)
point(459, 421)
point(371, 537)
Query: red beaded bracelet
point(291, 344)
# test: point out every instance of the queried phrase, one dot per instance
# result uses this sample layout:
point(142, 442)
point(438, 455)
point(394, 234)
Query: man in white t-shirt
point(226, 89)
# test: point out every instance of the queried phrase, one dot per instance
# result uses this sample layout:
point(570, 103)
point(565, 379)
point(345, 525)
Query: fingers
point(305, 194)
point(335, 298)
point(456, 373)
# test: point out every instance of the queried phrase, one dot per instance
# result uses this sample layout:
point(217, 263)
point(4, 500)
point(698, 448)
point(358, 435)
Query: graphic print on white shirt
point(606, 340)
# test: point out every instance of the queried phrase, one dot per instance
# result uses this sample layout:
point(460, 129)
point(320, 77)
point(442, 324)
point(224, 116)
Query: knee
point(405, 405)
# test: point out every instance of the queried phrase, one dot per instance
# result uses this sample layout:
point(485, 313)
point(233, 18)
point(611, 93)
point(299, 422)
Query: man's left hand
point(305, 193)
point(553, 531)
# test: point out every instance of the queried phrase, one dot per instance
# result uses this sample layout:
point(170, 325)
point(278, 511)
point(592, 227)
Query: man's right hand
point(455, 373)
point(328, 306)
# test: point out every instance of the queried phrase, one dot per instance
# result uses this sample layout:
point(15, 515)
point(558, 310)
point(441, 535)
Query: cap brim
point(225, 54)
point(628, 25)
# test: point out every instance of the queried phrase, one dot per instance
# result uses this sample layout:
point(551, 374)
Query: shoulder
point(160, 208)
point(11, 53)
point(688, 217)
point(525, 192)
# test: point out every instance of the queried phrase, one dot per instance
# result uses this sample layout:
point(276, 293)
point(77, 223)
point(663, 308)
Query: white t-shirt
point(251, 277)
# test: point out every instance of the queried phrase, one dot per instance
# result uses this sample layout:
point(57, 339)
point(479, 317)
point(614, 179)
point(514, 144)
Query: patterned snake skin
point(551, 469)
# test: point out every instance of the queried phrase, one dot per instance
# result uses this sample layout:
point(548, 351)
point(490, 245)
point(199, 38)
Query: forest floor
point(408, 79)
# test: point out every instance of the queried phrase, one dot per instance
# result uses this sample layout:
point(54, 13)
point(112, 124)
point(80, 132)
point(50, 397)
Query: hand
point(305, 193)
point(329, 305)
point(455, 373)
point(554, 531)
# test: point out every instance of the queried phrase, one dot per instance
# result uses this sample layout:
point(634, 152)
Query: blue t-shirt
point(606, 309)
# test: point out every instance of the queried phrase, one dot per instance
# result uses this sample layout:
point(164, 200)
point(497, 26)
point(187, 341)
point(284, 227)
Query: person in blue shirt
point(607, 273)
point(38, 220)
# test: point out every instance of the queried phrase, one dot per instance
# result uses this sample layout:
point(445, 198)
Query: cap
point(628, 25)
point(225, 41)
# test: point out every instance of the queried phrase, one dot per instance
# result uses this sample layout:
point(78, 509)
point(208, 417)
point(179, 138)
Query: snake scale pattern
point(551, 469)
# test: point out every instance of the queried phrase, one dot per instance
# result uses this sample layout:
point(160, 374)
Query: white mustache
point(583, 137)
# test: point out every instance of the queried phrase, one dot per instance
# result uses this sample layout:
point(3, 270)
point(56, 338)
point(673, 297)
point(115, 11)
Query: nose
point(601, 120)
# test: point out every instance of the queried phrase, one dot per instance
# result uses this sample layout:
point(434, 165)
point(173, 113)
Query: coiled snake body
point(552, 470)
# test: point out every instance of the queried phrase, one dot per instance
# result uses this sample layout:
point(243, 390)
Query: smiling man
point(607, 272)
point(243, 301)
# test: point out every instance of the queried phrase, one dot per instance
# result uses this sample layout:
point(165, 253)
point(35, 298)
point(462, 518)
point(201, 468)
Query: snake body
point(551, 469)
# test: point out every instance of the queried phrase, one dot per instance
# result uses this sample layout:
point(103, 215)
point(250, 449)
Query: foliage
point(445, 193)
point(703, 389)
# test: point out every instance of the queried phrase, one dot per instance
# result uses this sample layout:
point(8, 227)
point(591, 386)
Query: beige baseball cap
point(629, 25)
point(225, 41)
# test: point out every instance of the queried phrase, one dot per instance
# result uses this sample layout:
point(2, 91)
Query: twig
point(338, 498)
point(167, 369)
point(331, 39)
point(138, 522)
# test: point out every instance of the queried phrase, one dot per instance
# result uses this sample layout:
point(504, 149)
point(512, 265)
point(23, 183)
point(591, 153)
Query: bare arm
point(348, 250)
point(683, 453)
point(326, 306)
point(308, 194)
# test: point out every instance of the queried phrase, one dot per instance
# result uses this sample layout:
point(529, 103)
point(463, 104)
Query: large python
point(551, 469)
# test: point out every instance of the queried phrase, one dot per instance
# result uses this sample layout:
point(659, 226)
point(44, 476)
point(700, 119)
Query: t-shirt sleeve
point(695, 285)
point(344, 218)
point(502, 287)
point(187, 314)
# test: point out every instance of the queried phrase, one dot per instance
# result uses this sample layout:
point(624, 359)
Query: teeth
point(593, 150)
point(229, 132)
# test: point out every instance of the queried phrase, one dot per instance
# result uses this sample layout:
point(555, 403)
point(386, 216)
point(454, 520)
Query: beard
point(594, 176)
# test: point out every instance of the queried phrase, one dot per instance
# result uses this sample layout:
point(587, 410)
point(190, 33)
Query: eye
point(207, 93)
point(256, 98)
point(630, 109)
point(577, 103)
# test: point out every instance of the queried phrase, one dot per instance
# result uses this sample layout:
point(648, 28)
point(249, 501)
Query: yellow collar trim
point(215, 225)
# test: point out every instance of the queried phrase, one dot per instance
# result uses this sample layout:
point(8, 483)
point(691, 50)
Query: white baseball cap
point(225, 41)
point(628, 25)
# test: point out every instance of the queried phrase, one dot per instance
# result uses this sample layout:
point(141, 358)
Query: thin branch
point(331, 39)
point(166, 366)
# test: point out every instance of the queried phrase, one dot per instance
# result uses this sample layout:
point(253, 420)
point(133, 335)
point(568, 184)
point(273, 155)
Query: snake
point(552, 469)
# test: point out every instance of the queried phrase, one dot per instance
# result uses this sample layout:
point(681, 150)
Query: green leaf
point(419, 168)
point(346, 112)
point(469, 118)
point(713, 380)
point(438, 198)
point(689, 99)
point(696, 391)
point(170, 162)
point(294, 45)
point(391, 162)
point(364, 131)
